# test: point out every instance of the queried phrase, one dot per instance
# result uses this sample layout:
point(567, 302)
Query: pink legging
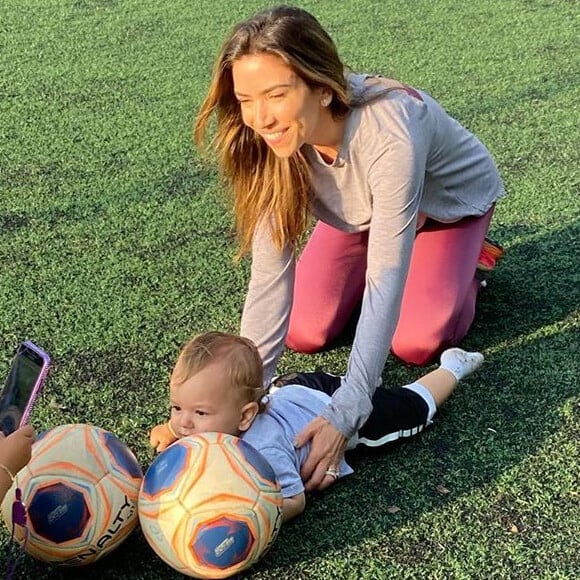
point(438, 302)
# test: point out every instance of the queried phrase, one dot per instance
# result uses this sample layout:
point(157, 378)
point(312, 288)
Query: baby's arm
point(293, 506)
point(281, 456)
point(162, 436)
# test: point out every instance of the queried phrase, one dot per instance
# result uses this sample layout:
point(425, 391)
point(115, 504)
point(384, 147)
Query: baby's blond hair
point(239, 356)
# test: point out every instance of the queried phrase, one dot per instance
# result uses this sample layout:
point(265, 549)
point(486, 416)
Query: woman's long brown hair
point(267, 188)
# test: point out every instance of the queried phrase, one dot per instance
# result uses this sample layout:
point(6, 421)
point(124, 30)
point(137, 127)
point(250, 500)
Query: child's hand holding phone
point(23, 385)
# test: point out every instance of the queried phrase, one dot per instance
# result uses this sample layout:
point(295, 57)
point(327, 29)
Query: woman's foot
point(491, 253)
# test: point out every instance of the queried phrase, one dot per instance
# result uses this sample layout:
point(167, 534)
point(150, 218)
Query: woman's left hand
point(327, 451)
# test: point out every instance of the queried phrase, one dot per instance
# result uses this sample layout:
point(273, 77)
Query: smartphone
point(23, 385)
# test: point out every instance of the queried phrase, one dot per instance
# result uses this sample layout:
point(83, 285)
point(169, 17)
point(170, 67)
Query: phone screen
point(23, 377)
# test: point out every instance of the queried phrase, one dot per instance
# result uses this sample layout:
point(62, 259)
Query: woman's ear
point(326, 97)
point(249, 412)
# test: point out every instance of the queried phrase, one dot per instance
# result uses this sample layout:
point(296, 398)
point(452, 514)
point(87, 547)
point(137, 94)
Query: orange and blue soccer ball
point(210, 505)
point(80, 489)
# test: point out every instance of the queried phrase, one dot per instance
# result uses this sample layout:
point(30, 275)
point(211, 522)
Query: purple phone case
point(39, 381)
point(43, 360)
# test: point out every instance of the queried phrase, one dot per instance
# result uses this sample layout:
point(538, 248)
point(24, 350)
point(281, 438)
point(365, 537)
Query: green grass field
point(116, 247)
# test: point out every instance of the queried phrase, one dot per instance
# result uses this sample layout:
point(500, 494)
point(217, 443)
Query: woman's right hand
point(326, 453)
point(15, 450)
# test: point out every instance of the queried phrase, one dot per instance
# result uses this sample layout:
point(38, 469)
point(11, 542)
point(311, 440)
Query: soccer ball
point(80, 489)
point(210, 505)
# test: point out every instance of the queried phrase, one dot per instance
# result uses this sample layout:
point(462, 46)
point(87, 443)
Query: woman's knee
point(420, 347)
point(422, 334)
point(306, 338)
point(315, 325)
point(414, 353)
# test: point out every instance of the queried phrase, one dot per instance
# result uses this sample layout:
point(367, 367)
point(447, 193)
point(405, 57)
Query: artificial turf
point(116, 246)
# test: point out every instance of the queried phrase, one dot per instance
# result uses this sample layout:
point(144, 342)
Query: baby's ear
point(249, 412)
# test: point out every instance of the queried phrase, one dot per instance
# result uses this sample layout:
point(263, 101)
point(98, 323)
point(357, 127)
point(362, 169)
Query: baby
point(216, 385)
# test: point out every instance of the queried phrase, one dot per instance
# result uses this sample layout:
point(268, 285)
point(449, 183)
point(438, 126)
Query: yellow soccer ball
point(210, 505)
point(80, 490)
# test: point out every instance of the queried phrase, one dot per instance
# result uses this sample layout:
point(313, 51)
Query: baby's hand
point(15, 450)
point(161, 437)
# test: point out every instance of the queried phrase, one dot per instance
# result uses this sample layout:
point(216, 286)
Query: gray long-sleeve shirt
point(401, 160)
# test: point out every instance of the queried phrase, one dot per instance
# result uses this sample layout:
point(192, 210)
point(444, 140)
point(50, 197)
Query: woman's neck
point(330, 138)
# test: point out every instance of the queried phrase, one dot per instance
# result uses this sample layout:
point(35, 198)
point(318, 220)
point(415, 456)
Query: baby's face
point(205, 402)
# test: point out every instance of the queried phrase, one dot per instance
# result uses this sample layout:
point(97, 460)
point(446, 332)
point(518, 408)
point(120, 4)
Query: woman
point(403, 194)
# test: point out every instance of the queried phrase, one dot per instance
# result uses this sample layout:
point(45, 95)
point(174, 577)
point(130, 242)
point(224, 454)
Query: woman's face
point(278, 105)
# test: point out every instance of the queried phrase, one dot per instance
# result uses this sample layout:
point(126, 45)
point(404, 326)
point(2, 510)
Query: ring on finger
point(333, 472)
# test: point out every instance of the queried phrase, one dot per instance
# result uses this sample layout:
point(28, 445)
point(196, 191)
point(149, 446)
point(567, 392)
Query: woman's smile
point(277, 104)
